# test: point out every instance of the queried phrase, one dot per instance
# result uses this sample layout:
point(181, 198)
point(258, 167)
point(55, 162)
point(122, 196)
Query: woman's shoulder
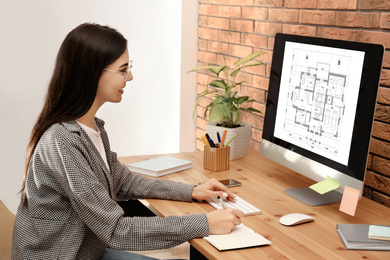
point(62, 132)
point(64, 127)
point(66, 133)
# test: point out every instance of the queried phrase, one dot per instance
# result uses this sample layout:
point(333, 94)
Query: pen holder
point(216, 159)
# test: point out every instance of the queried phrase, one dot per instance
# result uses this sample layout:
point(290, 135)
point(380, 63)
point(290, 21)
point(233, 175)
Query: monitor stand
point(313, 198)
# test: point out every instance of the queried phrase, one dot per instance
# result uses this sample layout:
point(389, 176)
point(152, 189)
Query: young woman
point(72, 180)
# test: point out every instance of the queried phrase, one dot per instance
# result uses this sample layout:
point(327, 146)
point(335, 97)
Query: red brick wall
point(236, 28)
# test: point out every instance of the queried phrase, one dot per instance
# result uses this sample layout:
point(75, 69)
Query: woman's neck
point(86, 120)
point(89, 118)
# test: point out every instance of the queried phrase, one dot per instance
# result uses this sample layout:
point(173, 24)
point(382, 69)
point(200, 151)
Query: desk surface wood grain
point(263, 184)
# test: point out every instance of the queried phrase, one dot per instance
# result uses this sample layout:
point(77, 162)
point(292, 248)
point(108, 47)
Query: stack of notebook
point(364, 237)
point(160, 166)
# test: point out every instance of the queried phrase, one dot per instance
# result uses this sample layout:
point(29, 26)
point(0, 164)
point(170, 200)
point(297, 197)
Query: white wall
point(155, 115)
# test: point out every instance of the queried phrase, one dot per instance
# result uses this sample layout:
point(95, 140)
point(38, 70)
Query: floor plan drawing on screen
point(315, 103)
point(320, 97)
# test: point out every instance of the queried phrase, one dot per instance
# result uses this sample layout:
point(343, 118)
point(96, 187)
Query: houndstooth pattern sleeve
point(72, 211)
point(134, 186)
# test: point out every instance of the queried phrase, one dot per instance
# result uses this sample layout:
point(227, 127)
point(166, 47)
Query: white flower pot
point(239, 145)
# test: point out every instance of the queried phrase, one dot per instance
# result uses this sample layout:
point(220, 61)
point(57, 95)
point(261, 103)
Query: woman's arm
point(93, 205)
point(129, 185)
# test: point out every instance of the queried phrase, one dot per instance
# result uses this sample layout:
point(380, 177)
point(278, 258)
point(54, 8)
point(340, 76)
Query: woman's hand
point(223, 221)
point(211, 189)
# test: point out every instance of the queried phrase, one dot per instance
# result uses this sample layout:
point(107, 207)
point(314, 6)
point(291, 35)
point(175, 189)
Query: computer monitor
point(320, 108)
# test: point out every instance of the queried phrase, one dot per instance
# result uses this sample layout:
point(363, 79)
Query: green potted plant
point(224, 110)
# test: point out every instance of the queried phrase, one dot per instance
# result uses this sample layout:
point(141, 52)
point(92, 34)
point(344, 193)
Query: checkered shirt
point(72, 211)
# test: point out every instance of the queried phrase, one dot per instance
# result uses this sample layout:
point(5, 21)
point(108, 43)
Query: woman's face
point(112, 82)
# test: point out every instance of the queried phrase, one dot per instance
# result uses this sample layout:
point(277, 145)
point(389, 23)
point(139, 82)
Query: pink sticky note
point(349, 201)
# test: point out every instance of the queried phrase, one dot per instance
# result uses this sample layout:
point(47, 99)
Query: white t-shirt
point(97, 141)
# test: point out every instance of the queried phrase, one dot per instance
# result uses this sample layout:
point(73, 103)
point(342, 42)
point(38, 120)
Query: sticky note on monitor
point(349, 201)
point(325, 186)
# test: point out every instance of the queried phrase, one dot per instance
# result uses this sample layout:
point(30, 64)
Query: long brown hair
point(83, 55)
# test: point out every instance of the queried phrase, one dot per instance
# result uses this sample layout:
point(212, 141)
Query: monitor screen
point(320, 106)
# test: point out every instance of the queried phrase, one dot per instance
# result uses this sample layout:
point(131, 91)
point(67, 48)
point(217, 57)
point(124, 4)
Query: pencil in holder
point(216, 159)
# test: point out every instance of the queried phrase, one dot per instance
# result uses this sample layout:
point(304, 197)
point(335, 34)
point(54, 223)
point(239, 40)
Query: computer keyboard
point(240, 204)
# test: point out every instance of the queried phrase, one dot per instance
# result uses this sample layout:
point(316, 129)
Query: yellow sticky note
point(325, 186)
point(349, 201)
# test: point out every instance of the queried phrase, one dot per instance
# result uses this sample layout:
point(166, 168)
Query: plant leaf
point(204, 92)
point(217, 69)
point(236, 116)
point(248, 58)
point(218, 98)
point(217, 112)
point(241, 100)
point(202, 68)
point(228, 100)
point(233, 94)
point(206, 109)
point(250, 110)
point(218, 84)
point(235, 72)
point(200, 95)
point(214, 69)
point(253, 63)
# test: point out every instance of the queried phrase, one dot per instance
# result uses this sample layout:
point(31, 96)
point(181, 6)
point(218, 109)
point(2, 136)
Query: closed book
point(355, 236)
point(379, 232)
point(160, 166)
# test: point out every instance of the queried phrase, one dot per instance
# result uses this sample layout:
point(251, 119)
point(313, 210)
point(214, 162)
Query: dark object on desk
point(134, 208)
point(355, 236)
point(230, 183)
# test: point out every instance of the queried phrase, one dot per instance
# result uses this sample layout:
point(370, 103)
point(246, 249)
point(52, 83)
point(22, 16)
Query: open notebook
point(240, 237)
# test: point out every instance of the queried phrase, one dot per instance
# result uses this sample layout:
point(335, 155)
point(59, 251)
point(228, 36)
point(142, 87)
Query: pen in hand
point(221, 201)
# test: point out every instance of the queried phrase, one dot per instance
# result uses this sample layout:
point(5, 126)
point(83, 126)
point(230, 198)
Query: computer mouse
point(295, 219)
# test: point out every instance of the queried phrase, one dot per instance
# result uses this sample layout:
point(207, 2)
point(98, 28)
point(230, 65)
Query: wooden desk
point(263, 182)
